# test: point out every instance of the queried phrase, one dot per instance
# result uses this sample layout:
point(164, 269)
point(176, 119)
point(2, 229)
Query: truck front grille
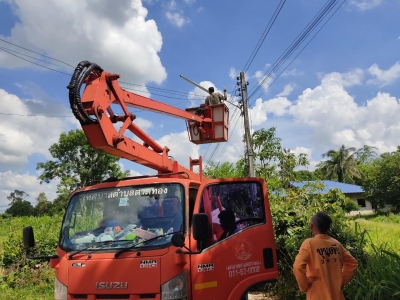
point(110, 296)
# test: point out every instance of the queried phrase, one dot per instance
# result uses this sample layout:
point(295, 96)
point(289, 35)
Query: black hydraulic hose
point(83, 71)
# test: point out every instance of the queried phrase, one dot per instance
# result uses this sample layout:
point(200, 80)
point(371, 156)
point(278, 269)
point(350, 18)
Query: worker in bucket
point(323, 265)
point(215, 98)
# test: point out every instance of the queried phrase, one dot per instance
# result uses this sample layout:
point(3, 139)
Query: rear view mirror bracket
point(29, 242)
point(177, 240)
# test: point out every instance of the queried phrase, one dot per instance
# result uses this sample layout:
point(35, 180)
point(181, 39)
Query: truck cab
point(160, 238)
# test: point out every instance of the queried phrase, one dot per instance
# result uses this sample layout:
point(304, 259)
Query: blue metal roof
point(345, 188)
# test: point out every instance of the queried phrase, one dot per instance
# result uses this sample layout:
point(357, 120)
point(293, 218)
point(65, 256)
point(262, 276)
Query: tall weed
point(378, 276)
point(16, 270)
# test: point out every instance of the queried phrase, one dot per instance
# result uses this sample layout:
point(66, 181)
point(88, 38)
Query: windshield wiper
point(88, 247)
point(118, 253)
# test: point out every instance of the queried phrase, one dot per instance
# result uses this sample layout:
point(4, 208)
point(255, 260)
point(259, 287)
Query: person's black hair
point(211, 90)
point(322, 221)
point(227, 216)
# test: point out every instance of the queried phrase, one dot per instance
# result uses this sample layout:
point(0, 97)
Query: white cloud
point(312, 163)
point(292, 72)
point(190, 1)
point(277, 106)
point(107, 32)
point(21, 136)
point(177, 18)
point(143, 123)
point(263, 79)
point(10, 181)
point(365, 4)
point(172, 5)
point(133, 173)
point(384, 77)
point(198, 96)
point(335, 118)
point(233, 73)
point(180, 147)
point(286, 90)
point(353, 77)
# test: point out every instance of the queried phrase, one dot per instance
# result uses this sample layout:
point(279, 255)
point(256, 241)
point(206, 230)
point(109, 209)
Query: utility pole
point(249, 144)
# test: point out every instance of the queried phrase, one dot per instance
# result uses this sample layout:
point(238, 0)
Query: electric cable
point(14, 53)
point(303, 48)
point(37, 53)
point(264, 35)
point(35, 63)
point(294, 45)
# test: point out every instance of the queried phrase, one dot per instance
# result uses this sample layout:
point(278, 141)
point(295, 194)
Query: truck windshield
point(123, 216)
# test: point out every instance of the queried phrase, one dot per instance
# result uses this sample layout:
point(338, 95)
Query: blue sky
point(343, 88)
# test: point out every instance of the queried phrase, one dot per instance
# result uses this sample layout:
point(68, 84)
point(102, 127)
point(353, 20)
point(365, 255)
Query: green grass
point(34, 279)
point(382, 230)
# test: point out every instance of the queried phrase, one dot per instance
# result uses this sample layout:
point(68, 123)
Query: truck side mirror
point(200, 227)
point(28, 237)
point(178, 240)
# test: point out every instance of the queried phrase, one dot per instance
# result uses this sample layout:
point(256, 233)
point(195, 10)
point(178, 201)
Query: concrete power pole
point(249, 144)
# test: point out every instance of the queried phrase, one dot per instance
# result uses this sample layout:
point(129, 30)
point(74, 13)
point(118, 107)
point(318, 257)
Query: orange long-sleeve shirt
point(328, 262)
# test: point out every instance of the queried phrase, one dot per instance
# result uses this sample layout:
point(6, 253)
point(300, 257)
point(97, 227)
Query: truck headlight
point(176, 288)
point(60, 291)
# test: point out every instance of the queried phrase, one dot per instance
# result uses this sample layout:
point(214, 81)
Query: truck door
point(240, 250)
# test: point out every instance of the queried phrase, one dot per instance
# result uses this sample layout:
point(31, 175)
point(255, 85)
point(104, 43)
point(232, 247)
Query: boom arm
point(97, 119)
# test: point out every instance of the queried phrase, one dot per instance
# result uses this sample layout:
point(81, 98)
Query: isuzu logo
point(111, 285)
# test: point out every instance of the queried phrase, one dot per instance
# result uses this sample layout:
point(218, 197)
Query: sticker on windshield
point(124, 193)
point(148, 264)
point(123, 201)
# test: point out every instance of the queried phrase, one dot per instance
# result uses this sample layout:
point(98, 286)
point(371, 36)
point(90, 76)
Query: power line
point(32, 115)
point(248, 63)
point(32, 62)
point(162, 89)
point(303, 47)
point(326, 9)
point(131, 89)
point(295, 44)
point(264, 35)
point(37, 53)
point(12, 52)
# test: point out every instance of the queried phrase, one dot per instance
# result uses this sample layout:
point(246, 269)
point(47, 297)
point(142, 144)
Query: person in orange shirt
point(323, 265)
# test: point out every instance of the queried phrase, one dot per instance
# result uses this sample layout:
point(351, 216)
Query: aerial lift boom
point(97, 118)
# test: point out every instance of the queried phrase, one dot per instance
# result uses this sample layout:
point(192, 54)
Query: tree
point(43, 206)
point(20, 208)
point(224, 170)
point(306, 175)
point(382, 180)
point(365, 154)
point(77, 164)
point(341, 164)
point(267, 150)
point(274, 163)
point(17, 196)
point(287, 163)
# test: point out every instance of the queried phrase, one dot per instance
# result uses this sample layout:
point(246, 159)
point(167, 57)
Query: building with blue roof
point(352, 191)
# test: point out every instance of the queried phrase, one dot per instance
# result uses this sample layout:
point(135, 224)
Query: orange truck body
point(224, 270)
point(138, 267)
